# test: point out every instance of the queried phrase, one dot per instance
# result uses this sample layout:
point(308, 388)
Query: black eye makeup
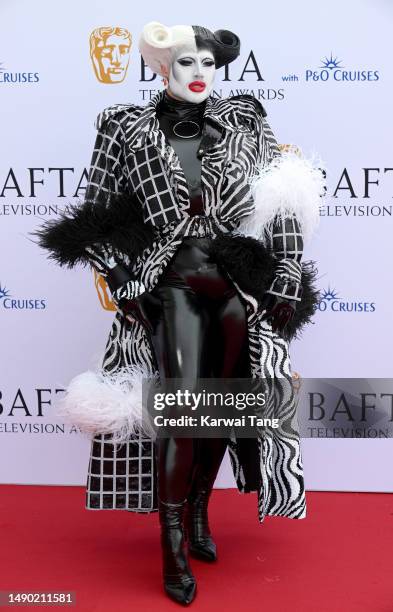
point(188, 61)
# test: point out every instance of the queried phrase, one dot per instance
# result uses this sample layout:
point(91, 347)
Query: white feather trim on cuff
point(289, 185)
point(103, 403)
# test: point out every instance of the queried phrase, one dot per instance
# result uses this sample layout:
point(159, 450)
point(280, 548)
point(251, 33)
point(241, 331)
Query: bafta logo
point(110, 53)
point(103, 292)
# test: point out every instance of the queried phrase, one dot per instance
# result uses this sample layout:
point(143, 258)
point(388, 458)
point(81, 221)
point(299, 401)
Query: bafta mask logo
point(103, 292)
point(110, 53)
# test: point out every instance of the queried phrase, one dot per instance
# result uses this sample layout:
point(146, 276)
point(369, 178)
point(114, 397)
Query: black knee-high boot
point(210, 453)
point(175, 465)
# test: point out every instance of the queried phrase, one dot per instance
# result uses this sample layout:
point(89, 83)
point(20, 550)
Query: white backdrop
point(53, 325)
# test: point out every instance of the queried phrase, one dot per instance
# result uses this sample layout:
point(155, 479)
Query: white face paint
point(191, 75)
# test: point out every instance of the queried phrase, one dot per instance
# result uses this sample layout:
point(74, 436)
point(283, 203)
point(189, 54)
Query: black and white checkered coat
point(131, 154)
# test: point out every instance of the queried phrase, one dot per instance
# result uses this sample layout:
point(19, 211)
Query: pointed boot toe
point(183, 593)
point(204, 549)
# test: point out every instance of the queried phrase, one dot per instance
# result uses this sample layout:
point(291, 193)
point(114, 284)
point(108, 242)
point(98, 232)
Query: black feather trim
point(247, 260)
point(118, 223)
point(252, 266)
point(307, 307)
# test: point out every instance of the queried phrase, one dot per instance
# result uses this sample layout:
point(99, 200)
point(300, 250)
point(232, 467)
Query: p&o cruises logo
point(331, 301)
point(333, 70)
point(16, 78)
point(10, 302)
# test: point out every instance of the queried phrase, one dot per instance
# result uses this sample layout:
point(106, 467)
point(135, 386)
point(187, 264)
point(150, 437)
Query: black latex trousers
point(199, 328)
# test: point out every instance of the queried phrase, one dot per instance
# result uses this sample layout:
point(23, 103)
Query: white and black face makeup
point(191, 74)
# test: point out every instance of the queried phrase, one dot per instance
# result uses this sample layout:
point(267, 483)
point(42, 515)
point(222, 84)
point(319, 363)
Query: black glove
point(279, 311)
point(144, 309)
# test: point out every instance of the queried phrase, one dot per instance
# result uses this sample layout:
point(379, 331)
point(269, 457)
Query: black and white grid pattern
point(287, 243)
point(122, 476)
point(149, 179)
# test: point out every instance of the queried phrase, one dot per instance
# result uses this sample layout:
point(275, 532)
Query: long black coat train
point(258, 206)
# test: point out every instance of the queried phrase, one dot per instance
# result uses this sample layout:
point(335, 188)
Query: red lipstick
point(197, 86)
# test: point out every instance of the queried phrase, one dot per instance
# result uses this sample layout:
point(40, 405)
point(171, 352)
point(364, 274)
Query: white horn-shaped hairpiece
point(157, 41)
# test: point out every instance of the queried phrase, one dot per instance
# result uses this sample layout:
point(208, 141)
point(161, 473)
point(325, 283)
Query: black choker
point(181, 106)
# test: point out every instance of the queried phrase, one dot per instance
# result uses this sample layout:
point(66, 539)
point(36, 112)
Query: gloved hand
point(279, 311)
point(144, 309)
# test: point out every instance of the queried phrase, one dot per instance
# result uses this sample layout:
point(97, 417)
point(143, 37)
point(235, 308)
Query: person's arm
point(106, 230)
point(285, 193)
point(106, 181)
point(285, 238)
point(283, 235)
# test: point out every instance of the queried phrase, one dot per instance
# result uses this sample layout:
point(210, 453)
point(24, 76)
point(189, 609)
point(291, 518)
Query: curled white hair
point(157, 42)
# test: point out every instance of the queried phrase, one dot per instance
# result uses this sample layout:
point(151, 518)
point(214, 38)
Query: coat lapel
point(147, 127)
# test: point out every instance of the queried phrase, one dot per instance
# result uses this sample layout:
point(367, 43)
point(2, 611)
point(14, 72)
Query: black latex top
point(170, 112)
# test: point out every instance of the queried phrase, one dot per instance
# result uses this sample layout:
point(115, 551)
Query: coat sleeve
point(284, 191)
point(107, 179)
point(284, 236)
point(107, 229)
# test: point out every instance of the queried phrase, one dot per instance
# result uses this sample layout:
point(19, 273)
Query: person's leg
point(179, 343)
point(234, 359)
point(230, 358)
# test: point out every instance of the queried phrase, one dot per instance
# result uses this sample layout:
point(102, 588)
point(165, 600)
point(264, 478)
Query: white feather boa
point(102, 403)
point(290, 184)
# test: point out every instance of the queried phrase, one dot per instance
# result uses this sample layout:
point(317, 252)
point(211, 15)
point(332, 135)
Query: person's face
point(111, 59)
point(191, 75)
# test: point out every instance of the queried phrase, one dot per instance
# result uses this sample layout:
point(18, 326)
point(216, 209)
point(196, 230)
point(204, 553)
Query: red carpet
point(337, 559)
